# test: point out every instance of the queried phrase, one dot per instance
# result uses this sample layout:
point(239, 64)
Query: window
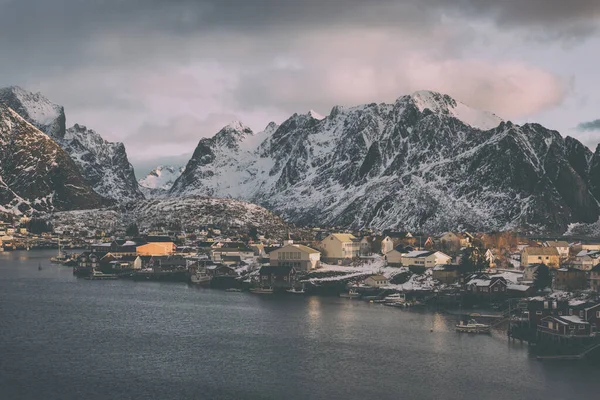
point(546, 305)
point(581, 327)
point(538, 313)
point(570, 311)
point(560, 313)
point(581, 314)
point(597, 314)
point(495, 289)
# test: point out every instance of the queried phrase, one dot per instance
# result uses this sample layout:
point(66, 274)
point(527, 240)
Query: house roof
point(378, 277)
point(557, 243)
point(419, 253)
point(541, 251)
point(573, 319)
point(344, 237)
point(446, 267)
point(518, 288)
point(300, 247)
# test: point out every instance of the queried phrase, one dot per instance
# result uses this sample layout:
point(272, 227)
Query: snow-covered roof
point(574, 318)
point(418, 253)
point(518, 288)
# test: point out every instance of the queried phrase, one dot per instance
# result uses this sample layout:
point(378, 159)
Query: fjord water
point(64, 338)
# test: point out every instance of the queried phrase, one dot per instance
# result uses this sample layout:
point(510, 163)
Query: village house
point(231, 249)
point(156, 249)
point(387, 245)
point(591, 246)
point(585, 260)
point(539, 308)
point(277, 277)
point(570, 279)
point(447, 274)
point(221, 270)
point(124, 263)
point(427, 259)
point(449, 241)
point(552, 328)
point(540, 255)
point(89, 259)
point(519, 290)
point(376, 281)
point(340, 248)
point(529, 273)
point(302, 258)
point(594, 279)
point(561, 246)
point(487, 286)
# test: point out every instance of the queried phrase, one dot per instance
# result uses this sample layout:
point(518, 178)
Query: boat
point(60, 257)
point(236, 290)
point(200, 278)
point(473, 327)
point(294, 290)
point(262, 290)
point(97, 275)
point(352, 294)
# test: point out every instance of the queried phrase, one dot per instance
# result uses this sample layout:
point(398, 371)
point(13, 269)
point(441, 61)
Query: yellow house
point(540, 255)
point(302, 258)
point(156, 249)
point(340, 247)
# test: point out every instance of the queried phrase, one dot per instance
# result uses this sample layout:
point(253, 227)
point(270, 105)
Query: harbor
point(133, 335)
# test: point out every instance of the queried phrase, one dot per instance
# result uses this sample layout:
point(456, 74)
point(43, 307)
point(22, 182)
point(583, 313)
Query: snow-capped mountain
point(35, 173)
point(104, 164)
point(426, 162)
point(161, 178)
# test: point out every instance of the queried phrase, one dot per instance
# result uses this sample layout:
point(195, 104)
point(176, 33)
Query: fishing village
point(538, 291)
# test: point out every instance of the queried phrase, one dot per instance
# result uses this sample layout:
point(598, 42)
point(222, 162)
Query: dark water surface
point(63, 338)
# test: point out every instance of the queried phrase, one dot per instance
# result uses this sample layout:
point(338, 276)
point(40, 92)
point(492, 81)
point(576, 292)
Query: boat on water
point(200, 278)
point(97, 275)
point(473, 327)
point(262, 290)
point(352, 294)
point(295, 290)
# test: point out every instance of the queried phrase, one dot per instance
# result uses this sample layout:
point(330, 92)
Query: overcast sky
point(160, 74)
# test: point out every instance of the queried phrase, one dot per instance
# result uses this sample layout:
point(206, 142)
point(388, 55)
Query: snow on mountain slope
point(444, 104)
point(161, 177)
point(186, 212)
point(104, 164)
point(35, 173)
point(417, 164)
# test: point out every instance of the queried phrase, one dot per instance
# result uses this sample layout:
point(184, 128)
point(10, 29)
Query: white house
point(561, 246)
point(376, 281)
point(428, 259)
point(340, 247)
point(585, 260)
point(302, 258)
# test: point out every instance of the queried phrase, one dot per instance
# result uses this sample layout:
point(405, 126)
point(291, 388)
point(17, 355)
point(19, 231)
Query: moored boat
point(352, 294)
point(262, 290)
point(473, 327)
point(97, 275)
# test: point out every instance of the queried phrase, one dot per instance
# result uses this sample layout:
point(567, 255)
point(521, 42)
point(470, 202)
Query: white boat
point(294, 290)
point(200, 278)
point(396, 298)
point(473, 327)
point(97, 275)
point(262, 290)
point(352, 294)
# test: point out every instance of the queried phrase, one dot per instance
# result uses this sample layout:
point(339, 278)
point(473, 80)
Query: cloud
point(589, 126)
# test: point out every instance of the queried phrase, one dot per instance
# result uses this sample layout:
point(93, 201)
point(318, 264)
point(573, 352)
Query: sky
point(159, 75)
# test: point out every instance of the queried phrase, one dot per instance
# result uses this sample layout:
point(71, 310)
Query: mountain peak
point(34, 107)
point(442, 104)
point(315, 115)
point(237, 126)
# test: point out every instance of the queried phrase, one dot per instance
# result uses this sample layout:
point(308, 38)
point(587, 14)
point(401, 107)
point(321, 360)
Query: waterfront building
point(302, 258)
point(427, 259)
point(340, 248)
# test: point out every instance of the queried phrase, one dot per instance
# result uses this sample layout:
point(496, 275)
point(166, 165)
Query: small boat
point(473, 327)
point(200, 278)
point(236, 290)
point(352, 294)
point(262, 290)
point(295, 290)
point(396, 298)
point(97, 275)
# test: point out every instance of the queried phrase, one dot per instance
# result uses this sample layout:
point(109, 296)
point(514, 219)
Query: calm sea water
point(64, 338)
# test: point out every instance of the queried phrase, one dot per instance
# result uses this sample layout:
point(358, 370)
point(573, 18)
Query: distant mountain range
point(423, 163)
